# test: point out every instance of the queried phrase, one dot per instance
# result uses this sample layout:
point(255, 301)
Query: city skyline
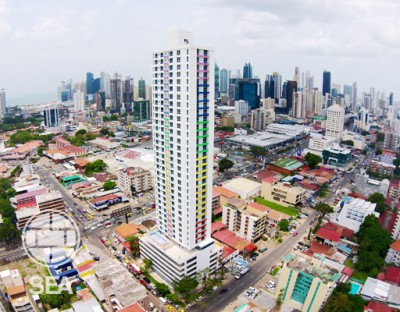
point(356, 41)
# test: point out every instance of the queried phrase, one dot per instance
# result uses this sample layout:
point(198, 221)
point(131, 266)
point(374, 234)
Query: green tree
point(162, 289)
point(323, 209)
point(6, 210)
point(185, 286)
point(379, 200)
point(380, 137)
point(80, 131)
point(312, 160)
point(9, 233)
point(6, 190)
point(95, 167)
point(378, 151)
point(173, 298)
point(148, 263)
point(258, 151)
point(104, 131)
point(56, 301)
point(284, 225)
point(134, 245)
point(105, 118)
point(111, 134)
point(109, 185)
point(225, 164)
point(114, 117)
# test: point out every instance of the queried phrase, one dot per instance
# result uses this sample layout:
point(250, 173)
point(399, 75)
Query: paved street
point(218, 301)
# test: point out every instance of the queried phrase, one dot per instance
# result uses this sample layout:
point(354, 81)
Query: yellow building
point(281, 192)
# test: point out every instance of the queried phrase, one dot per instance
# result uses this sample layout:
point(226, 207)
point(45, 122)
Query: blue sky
point(43, 42)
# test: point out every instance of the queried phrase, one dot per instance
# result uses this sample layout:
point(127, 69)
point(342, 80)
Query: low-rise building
point(351, 212)
point(306, 283)
point(15, 288)
point(358, 140)
point(286, 166)
point(224, 194)
point(244, 187)
point(381, 291)
point(134, 180)
point(382, 168)
point(125, 231)
point(282, 193)
point(336, 155)
point(393, 255)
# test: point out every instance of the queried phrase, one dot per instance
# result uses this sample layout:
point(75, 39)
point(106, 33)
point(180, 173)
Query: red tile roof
point(396, 245)
point(227, 251)
point(217, 211)
point(217, 226)
point(102, 198)
point(135, 307)
point(271, 180)
point(230, 239)
point(225, 192)
point(347, 271)
point(263, 174)
point(374, 306)
point(259, 207)
point(393, 275)
point(28, 204)
point(394, 183)
point(321, 249)
point(325, 233)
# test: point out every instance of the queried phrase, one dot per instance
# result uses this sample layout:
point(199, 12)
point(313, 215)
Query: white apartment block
point(183, 138)
point(134, 180)
point(393, 255)
point(335, 121)
point(242, 107)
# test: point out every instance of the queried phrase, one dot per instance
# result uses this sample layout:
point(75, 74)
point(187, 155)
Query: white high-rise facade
point(335, 121)
point(183, 136)
point(3, 105)
point(79, 101)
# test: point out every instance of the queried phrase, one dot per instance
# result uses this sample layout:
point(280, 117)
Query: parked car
point(223, 290)
point(264, 249)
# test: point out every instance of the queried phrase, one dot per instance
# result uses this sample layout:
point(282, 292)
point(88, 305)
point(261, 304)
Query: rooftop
point(224, 192)
point(242, 184)
point(331, 235)
point(396, 245)
point(287, 163)
point(130, 229)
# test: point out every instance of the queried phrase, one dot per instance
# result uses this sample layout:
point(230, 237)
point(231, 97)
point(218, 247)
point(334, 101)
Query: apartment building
point(134, 180)
point(281, 192)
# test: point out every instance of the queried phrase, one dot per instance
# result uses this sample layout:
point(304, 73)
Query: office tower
point(51, 117)
point(3, 105)
point(296, 76)
point(116, 93)
point(224, 81)
point(260, 118)
point(141, 111)
point(268, 103)
point(242, 108)
point(79, 101)
point(317, 102)
point(289, 87)
point(391, 99)
point(326, 83)
point(299, 104)
point(354, 98)
point(335, 121)
point(309, 81)
point(249, 91)
point(96, 85)
point(183, 140)
point(367, 101)
point(216, 81)
point(101, 101)
point(142, 88)
point(89, 83)
point(105, 83)
point(127, 96)
point(363, 119)
point(391, 140)
point(247, 71)
point(273, 86)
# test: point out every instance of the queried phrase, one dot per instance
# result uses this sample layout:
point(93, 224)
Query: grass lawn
point(348, 263)
point(288, 210)
point(362, 276)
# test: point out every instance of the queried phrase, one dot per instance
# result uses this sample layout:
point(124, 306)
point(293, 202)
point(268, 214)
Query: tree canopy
point(185, 286)
point(341, 300)
point(312, 160)
point(323, 209)
point(225, 164)
point(379, 200)
point(374, 243)
point(283, 225)
point(109, 185)
point(258, 151)
point(347, 142)
point(134, 245)
point(95, 167)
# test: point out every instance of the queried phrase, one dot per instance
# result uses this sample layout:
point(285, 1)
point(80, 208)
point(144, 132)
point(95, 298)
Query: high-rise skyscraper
point(247, 71)
point(89, 83)
point(248, 90)
point(3, 104)
point(224, 81)
point(128, 93)
point(51, 117)
point(273, 86)
point(216, 81)
point(141, 111)
point(354, 98)
point(142, 88)
point(296, 76)
point(116, 93)
point(326, 83)
point(289, 87)
point(391, 99)
point(335, 121)
point(79, 101)
point(105, 83)
point(183, 136)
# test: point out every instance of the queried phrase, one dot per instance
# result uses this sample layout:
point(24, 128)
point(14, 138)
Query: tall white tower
point(335, 121)
point(3, 105)
point(183, 136)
